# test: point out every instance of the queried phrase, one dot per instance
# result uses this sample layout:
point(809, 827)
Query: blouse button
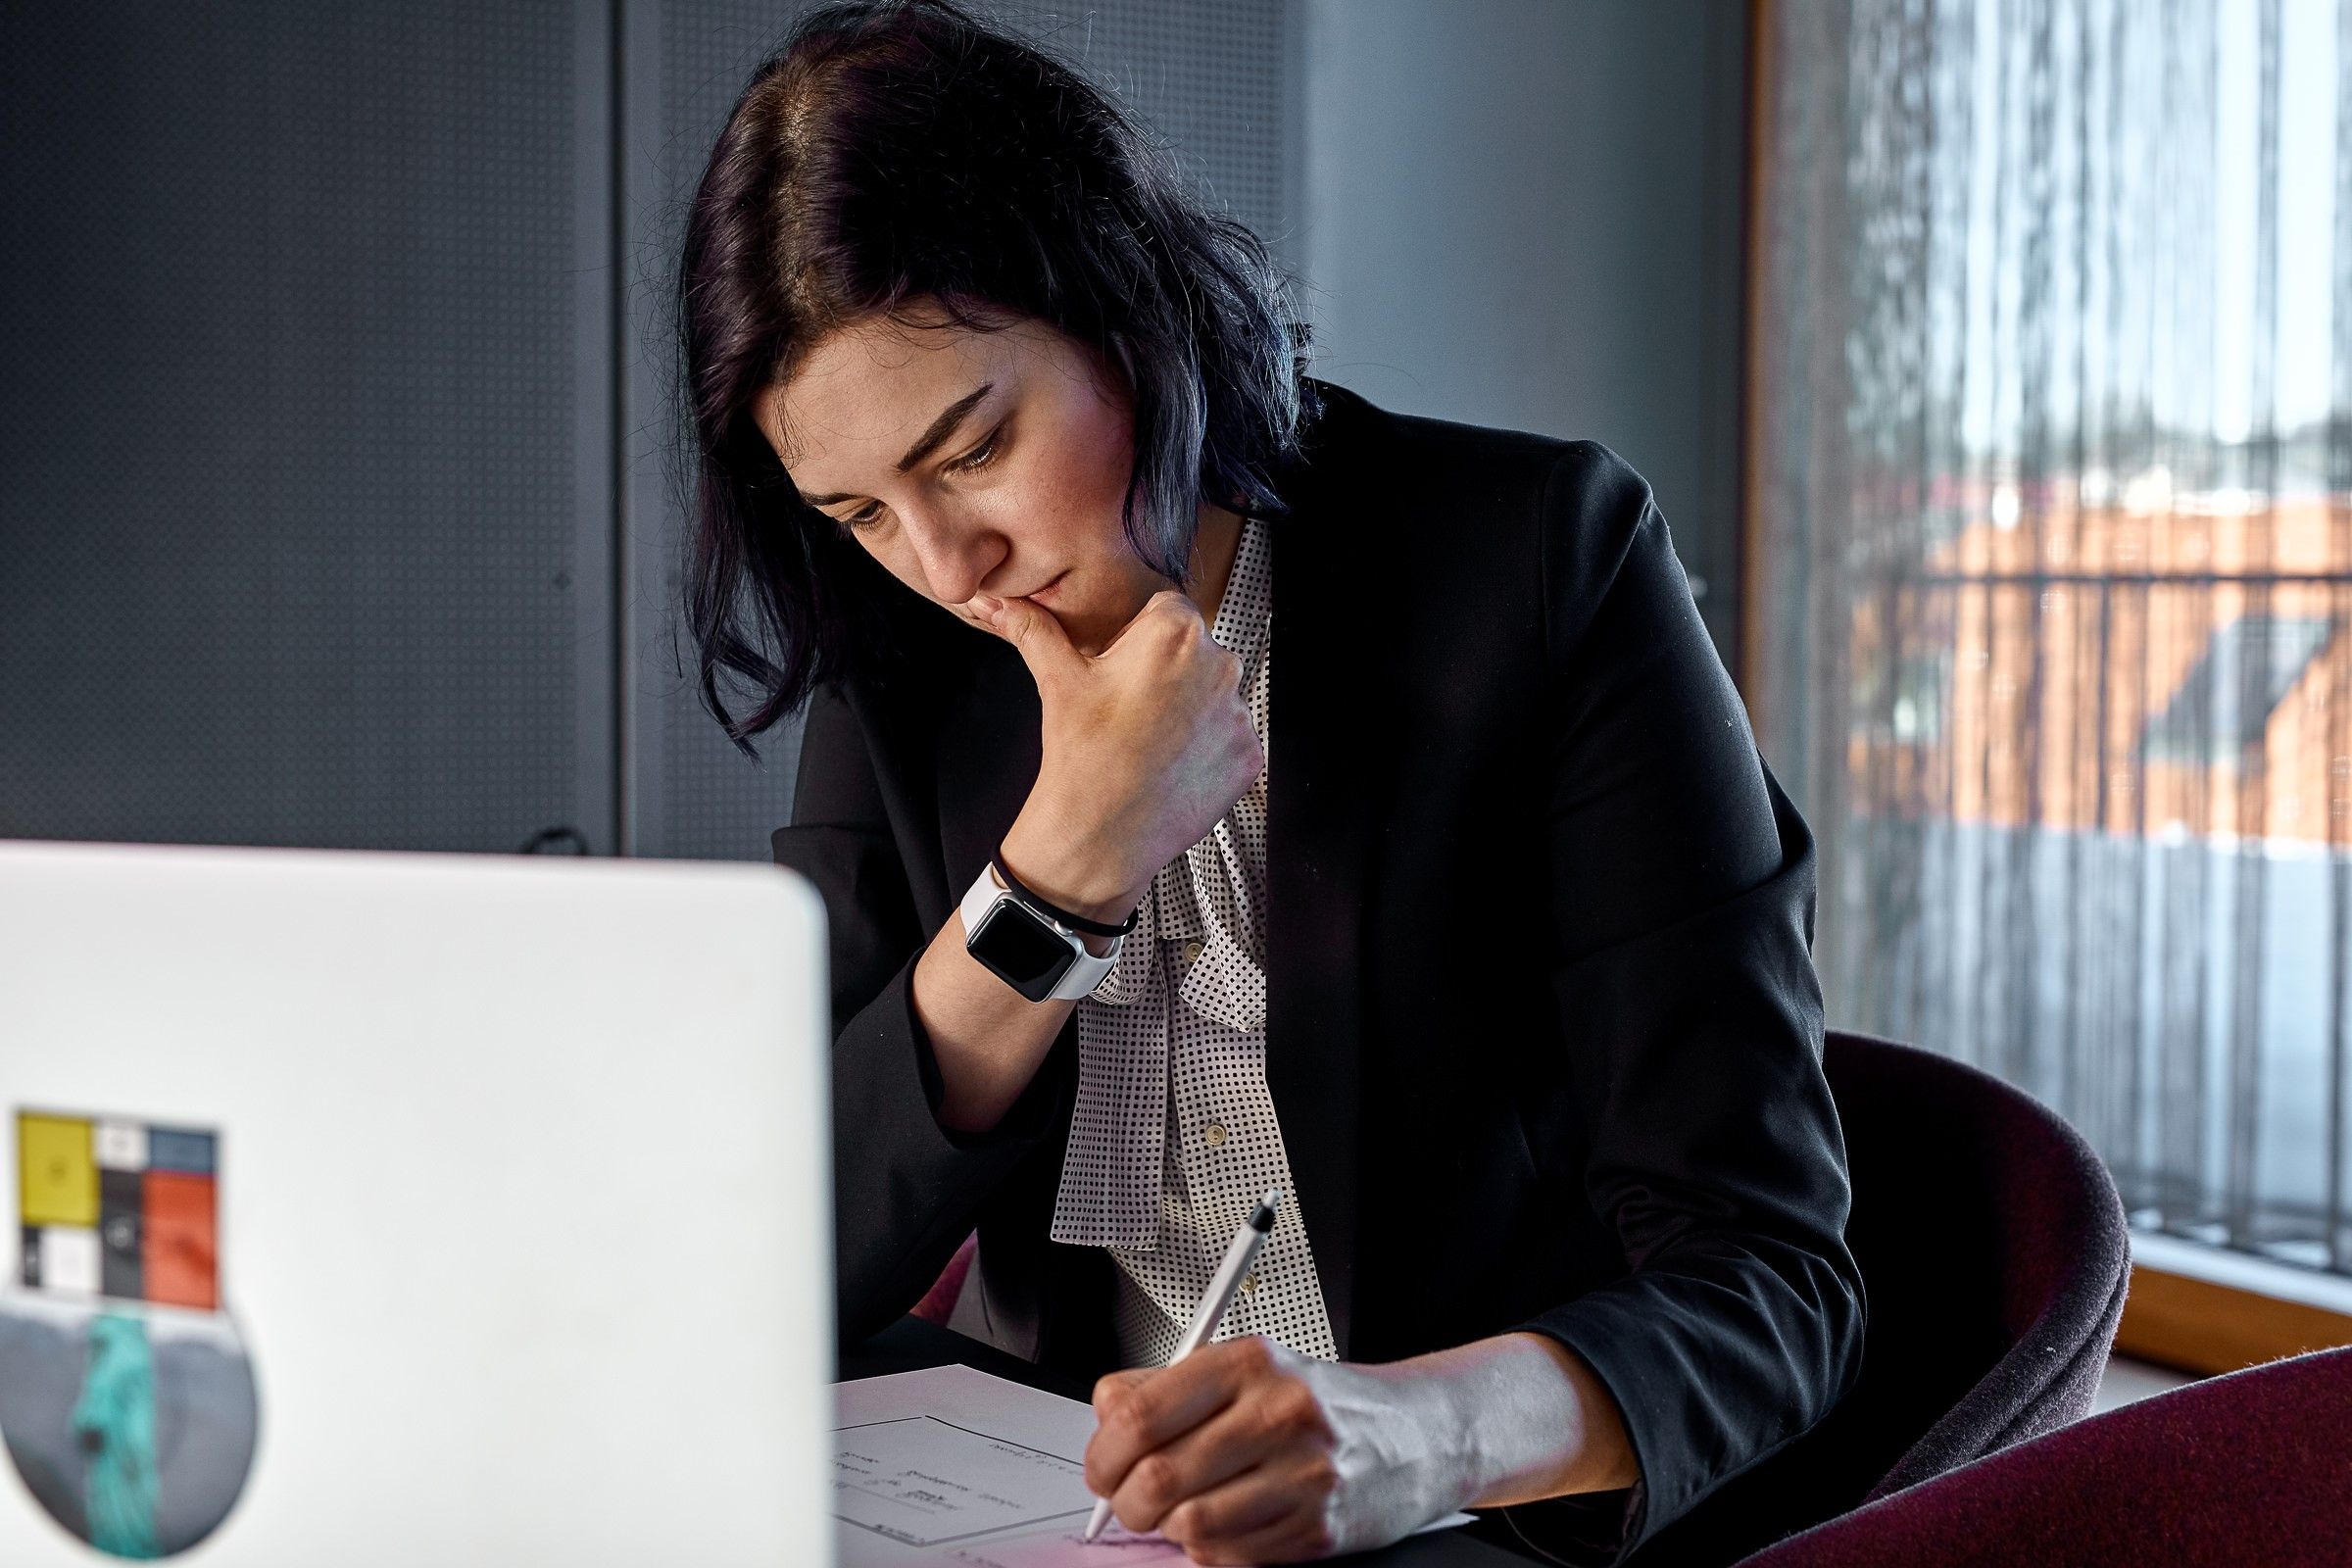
point(1194, 947)
point(1249, 1283)
point(1213, 1135)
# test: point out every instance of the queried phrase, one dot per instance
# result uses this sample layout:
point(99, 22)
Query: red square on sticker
point(177, 1251)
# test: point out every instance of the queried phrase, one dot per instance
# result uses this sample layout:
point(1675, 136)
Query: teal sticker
point(114, 1422)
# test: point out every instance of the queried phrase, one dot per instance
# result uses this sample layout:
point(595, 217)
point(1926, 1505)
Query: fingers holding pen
point(1175, 1436)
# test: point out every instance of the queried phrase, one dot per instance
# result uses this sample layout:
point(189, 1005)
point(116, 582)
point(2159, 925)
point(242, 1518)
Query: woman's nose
point(956, 558)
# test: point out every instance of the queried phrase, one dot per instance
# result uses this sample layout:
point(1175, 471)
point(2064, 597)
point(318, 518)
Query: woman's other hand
point(1247, 1452)
point(1144, 746)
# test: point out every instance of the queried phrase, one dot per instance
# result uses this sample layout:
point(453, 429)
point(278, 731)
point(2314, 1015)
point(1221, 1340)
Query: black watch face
point(1031, 955)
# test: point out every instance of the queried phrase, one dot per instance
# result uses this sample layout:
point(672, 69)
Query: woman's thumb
point(1032, 629)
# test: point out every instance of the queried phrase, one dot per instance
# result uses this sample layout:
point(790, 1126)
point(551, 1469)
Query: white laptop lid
point(520, 1177)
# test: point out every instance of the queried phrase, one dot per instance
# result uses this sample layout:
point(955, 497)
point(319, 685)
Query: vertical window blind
point(2049, 564)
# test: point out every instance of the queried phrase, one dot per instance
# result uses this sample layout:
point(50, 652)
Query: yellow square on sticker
point(57, 1170)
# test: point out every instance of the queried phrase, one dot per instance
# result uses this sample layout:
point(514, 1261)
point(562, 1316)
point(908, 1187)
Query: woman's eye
point(980, 455)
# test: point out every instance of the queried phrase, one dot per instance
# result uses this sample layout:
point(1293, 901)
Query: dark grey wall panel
point(1210, 75)
point(692, 795)
point(1527, 213)
point(290, 529)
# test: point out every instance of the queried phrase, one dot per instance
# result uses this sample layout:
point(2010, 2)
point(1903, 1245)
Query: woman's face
point(971, 463)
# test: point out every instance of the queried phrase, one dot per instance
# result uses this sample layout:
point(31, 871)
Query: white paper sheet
point(927, 1482)
point(950, 1465)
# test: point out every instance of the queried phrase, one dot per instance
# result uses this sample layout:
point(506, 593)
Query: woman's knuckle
point(1132, 1416)
point(1117, 1411)
point(1155, 1480)
point(1207, 1545)
point(1301, 1413)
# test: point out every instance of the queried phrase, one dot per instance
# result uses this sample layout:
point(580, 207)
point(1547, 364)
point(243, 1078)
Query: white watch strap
point(1081, 977)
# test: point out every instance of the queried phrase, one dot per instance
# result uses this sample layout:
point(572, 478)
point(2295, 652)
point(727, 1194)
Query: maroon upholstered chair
point(2248, 1468)
point(1994, 1259)
point(939, 1299)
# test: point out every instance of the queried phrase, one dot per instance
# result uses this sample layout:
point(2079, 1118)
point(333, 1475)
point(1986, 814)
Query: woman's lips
point(1039, 596)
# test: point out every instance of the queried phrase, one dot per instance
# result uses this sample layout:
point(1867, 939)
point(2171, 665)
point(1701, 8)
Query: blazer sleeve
point(907, 1188)
point(1682, 889)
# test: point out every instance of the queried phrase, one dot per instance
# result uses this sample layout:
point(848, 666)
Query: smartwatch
point(1031, 945)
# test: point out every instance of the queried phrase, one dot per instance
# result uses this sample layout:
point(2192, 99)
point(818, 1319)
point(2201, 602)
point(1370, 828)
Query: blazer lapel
point(1323, 774)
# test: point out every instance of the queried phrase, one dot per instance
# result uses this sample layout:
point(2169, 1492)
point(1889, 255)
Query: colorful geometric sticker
point(110, 1208)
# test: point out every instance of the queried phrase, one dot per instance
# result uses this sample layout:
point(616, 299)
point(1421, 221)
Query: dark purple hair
point(892, 154)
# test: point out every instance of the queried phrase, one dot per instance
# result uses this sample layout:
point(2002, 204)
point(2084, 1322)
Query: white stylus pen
point(1213, 1303)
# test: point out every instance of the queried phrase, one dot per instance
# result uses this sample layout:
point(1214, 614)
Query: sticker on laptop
point(127, 1398)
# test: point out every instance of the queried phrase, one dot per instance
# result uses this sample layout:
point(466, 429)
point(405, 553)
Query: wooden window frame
point(2207, 1309)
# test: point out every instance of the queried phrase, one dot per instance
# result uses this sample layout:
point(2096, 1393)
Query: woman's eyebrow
point(941, 428)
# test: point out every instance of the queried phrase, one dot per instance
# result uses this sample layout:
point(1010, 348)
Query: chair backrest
point(939, 1302)
point(2246, 1468)
point(1994, 1259)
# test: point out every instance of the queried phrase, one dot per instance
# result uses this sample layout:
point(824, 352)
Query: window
point(2051, 565)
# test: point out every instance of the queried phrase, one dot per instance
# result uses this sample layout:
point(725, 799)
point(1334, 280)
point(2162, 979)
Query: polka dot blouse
point(1173, 1137)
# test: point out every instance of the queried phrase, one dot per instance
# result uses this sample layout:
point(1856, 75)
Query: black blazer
point(1544, 1030)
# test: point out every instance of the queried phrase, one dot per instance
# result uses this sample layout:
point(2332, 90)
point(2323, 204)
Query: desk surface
point(913, 1342)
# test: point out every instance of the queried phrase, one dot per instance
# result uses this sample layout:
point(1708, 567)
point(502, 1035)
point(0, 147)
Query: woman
point(1500, 970)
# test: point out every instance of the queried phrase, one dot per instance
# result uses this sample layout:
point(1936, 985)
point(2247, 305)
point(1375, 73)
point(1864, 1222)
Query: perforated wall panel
point(287, 526)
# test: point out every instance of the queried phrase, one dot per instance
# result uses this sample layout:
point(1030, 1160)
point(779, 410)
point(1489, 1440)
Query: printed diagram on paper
point(925, 1482)
point(953, 1466)
point(950, 1465)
